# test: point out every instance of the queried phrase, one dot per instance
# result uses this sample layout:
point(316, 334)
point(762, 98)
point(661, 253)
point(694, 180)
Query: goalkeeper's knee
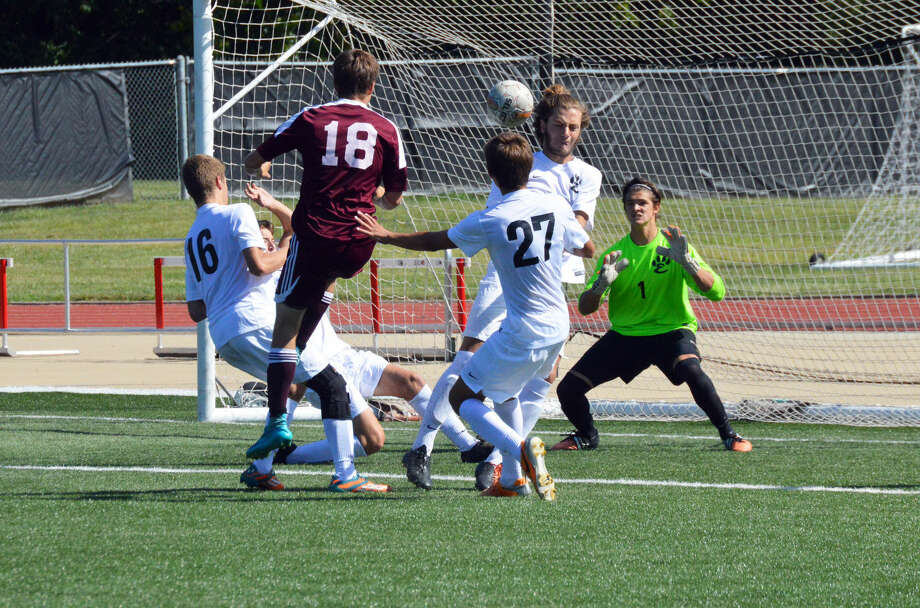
point(689, 370)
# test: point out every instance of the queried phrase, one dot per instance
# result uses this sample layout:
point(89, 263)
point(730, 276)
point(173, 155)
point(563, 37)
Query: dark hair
point(267, 225)
point(354, 73)
point(556, 97)
point(509, 159)
point(637, 183)
point(199, 173)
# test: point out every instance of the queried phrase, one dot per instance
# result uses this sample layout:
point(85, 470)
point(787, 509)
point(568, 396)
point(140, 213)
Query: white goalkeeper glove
point(612, 267)
point(679, 250)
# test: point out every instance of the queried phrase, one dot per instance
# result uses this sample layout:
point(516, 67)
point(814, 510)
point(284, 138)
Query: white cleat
point(532, 452)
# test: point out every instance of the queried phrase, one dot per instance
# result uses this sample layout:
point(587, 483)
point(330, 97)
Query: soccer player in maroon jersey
point(347, 150)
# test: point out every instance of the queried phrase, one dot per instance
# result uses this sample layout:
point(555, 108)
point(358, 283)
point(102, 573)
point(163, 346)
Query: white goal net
point(785, 137)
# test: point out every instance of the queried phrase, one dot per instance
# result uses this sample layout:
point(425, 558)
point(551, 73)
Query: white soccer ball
point(510, 103)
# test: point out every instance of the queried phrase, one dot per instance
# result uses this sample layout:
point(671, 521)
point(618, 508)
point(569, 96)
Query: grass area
point(760, 246)
point(177, 536)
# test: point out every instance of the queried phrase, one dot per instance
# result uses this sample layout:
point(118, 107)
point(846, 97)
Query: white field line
point(413, 429)
point(608, 482)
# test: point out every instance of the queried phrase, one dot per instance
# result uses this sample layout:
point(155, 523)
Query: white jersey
point(325, 340)
point(575, 181)
point(525, 233)
point(236, 301)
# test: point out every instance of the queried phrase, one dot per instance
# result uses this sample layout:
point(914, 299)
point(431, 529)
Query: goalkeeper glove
point(679, 250)
point(613, 265)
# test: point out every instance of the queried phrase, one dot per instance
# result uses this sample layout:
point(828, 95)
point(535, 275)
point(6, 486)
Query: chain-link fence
point(158, 96)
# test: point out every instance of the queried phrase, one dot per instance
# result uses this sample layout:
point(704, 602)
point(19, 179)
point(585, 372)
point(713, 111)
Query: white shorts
point(488, 310)
point(249, 352)
point(361, 367)
point(502, 367)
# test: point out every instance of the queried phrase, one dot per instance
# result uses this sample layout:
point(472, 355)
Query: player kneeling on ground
point(646, 274)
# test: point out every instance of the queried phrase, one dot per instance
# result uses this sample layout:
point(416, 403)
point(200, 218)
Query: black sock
point(572, 397)
point(704, 393)
point(279, 377)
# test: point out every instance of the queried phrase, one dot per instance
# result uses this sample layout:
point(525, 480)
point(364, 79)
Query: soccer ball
point(510, 102)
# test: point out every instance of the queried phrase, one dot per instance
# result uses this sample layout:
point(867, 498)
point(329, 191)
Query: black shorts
point(313, 263)
point(619, 356)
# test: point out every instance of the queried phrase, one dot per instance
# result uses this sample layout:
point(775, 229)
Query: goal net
point(781, 135)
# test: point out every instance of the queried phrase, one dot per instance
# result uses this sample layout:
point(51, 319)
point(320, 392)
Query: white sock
point(510, 413)
point(532, 397)
point(341, 436)
point(420, 402)
point(319, 452)
point(439, 408)
point(490, 426)
point(292, 405)
point(264, 465)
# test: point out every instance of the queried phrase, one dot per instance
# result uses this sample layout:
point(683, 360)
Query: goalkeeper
point(646, 274)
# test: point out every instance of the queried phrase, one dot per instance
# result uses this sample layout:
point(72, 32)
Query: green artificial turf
point(156, 516)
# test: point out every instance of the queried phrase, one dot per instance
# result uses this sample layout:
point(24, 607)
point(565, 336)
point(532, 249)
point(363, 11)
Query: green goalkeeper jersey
point(649, 297)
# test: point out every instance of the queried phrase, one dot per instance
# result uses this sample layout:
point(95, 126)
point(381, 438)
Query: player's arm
point(281, 211)
point(418, 241)
point(582, 218)
point(610, 267)
point(387, 200)
point(587, 251)
point(256, 166)
point(197, 310)
point(679, 250)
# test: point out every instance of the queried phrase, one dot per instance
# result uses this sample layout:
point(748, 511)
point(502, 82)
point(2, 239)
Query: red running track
point(816, 314)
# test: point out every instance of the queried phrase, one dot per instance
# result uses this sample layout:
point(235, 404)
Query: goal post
point(776, 132)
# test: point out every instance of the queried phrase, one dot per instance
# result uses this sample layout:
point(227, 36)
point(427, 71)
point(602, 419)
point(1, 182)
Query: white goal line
point(611, 482)
point(401, 427)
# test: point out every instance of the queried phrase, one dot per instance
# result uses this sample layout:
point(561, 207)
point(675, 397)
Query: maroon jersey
point(347, 150)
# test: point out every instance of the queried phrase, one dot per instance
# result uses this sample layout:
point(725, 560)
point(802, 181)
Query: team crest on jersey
point(660, 264)
point(574, 183)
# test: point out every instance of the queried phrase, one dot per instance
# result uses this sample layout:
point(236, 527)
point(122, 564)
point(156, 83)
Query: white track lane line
point(609, 482)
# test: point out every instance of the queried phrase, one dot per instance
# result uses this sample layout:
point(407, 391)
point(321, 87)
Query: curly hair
point(556, 97)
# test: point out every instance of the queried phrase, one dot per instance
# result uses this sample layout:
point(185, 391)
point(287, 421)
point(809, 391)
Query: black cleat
point(478, 452)
point(282, 454)
point(575, 441)
point(418, 467)
point(487, 474)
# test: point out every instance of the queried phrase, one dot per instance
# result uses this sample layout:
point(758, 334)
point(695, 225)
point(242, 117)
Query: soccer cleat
point(259, 481)
point(487, 474)
point(282, 454)
point(737, 443)
point(357, 485)
point(575, 441)
point(520, 488)
point(276, 435)
point(478, 452)
point(418, 467)
point(532, 452)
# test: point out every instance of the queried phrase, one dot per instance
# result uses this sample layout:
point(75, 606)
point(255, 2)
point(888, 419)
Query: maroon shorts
point(314, 263)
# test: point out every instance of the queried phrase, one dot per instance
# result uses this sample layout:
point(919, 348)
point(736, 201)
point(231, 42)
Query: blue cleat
point(276, 435)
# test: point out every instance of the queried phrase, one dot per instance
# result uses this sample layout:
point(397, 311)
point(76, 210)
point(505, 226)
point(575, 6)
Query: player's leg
point(686, 368)
point(533, 395)
point(484, 319)
point(249, 352)
point(282, 361)
point(406, 384)
point(604, 360)
point(499, 370)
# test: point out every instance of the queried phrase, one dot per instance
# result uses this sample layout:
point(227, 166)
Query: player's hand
point(379, 192)
point(613, 265)
point(368, 224)
point(258, 194)
point(679, 249)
